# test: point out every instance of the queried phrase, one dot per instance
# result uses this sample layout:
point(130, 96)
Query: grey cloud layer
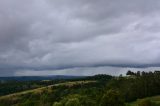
point(59, 34)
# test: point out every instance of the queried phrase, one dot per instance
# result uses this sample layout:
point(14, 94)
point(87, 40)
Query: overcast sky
point(78, 37)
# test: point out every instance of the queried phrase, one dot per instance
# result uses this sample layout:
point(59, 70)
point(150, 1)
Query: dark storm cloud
point(63, 34)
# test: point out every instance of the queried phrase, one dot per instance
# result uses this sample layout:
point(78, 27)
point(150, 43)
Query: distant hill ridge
point(37, 78)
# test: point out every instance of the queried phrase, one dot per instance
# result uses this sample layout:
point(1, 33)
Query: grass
point(39, 90)
point(154, 99)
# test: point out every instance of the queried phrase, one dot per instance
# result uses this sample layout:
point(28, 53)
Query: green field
point(155, 100)
point(46, 96)
point(47, 88)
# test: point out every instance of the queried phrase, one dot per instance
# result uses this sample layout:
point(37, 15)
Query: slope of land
point(48, 88)
point(135, 89)
point(83, 88)
point(155, 101)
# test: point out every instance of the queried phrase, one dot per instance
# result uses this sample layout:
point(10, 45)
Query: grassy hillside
point(155, 101)
point(47, 96)
point(99, 90)
point(47, 88)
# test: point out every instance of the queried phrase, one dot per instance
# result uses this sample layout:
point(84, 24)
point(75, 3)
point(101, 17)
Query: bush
point(57, 104)
point(112, 98)
point(145, 102)
point(73, 102)
point(28, 103)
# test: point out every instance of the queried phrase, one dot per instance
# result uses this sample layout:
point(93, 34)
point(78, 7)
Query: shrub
point(57, 104)
point(112, 98)
point(145, 102)
point(73, 102)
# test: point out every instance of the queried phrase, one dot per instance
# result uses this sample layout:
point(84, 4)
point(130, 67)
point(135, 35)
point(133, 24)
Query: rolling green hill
point(47, 88)
point(46, 96)
point(155, 101)
point(136, 89)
